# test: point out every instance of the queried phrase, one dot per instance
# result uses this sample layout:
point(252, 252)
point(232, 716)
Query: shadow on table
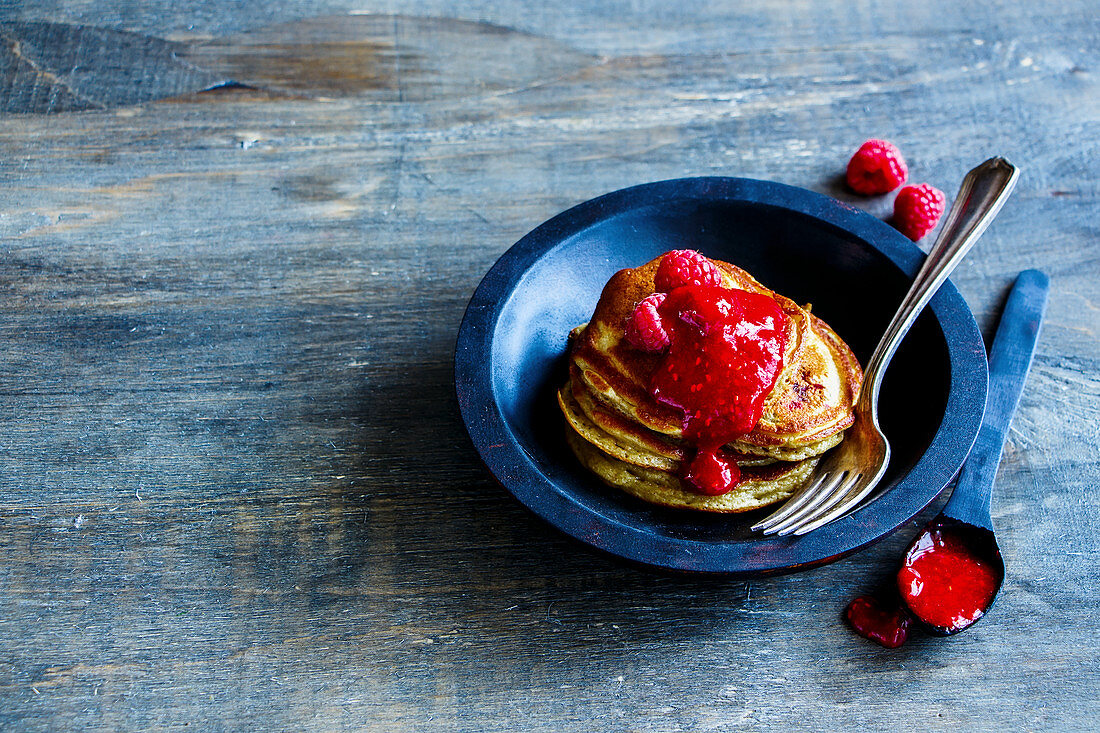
point(444, 558)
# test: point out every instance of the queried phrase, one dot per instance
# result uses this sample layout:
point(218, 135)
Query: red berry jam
point(886, 626)
point(712, 473)
point(943, 583)
point(725, 355)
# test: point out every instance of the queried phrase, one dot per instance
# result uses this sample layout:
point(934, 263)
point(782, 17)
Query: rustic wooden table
point(237, 244)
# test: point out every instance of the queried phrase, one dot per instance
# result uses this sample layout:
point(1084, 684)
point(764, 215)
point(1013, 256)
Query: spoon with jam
point(953, 569)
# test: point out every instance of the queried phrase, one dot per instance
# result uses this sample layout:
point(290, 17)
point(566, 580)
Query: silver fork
point(850, 471)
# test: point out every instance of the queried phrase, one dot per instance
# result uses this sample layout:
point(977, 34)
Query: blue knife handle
point(1009, 362)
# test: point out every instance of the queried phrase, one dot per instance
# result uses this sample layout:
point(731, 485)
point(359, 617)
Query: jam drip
point(724, 357)
point(943, 583)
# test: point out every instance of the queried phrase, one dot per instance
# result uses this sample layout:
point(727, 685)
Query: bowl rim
point(511, 466)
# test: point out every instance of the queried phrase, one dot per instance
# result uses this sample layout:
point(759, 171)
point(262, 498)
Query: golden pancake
point(812, 399)
point(759, 486)
point(620, 432)
point(631, 443)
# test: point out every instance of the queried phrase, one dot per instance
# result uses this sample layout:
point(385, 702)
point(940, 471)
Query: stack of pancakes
point(621, 433)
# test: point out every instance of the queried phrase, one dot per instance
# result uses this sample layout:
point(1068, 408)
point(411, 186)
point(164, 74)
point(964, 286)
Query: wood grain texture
point(56, 67)
point(50, 68)
point(236, 490)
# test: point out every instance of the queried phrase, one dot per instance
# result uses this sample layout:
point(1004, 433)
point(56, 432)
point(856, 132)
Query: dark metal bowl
point(853, 268)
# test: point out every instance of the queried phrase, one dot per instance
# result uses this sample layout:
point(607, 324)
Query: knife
point(1009, 362)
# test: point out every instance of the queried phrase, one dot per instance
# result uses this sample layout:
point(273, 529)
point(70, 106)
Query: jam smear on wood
point(886, 625)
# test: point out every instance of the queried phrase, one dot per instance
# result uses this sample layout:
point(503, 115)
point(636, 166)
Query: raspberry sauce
point(944, 583)
point(725, 355)
point(886, 625)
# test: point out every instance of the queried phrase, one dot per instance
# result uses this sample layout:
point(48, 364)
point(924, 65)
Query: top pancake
point(811, 402)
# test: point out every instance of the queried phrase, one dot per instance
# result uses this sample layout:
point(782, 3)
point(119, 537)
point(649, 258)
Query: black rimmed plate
point(852, 268)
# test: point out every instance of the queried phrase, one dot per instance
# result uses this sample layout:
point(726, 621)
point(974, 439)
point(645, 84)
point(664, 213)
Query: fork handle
point(981, 195)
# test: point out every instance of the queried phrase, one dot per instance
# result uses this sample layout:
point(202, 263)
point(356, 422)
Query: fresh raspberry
point(644, 329)
point(917, 209)
point(877, 167)
point(685, 267)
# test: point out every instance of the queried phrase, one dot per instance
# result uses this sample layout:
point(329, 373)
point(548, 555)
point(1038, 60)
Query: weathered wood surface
point(236, 491)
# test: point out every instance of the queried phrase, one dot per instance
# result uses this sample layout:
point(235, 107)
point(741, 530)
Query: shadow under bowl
point(854, 270)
